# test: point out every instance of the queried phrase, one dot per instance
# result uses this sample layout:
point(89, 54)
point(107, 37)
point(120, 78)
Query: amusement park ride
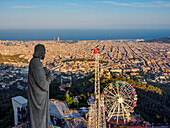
point(116, 103)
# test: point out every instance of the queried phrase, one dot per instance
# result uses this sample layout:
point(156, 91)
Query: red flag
point(96, 51)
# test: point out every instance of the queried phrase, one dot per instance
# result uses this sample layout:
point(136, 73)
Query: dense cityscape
point(143, 64)
point(127, 57)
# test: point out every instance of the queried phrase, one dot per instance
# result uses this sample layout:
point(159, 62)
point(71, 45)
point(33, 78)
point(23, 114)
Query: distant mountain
point(160, 40)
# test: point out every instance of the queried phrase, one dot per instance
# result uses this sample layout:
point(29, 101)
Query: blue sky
point(78, 14)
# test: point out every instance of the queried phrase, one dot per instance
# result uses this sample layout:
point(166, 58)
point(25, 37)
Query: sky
point(84, 14)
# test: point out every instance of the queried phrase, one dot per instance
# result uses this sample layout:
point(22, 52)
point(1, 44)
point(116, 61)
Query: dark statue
point(39, 78)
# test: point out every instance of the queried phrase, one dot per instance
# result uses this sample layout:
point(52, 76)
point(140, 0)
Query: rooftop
point(20, 99)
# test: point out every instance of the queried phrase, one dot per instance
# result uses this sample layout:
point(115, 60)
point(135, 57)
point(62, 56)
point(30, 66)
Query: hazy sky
point(84, 14)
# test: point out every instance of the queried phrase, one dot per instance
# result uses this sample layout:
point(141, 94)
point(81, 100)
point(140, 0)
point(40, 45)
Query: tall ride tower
point(97, 89)
point(97, 113)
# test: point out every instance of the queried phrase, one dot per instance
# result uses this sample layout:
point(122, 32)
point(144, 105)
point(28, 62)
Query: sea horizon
point(82, 34)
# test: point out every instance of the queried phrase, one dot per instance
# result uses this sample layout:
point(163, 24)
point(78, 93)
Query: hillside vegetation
point(12, 58)
point(153, 102)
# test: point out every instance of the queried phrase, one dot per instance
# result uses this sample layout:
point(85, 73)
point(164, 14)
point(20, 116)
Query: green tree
point(69, 100)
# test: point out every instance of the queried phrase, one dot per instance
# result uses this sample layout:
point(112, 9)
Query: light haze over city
point(84, 14)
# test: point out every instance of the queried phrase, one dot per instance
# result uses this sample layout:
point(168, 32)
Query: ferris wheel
point(119, 100)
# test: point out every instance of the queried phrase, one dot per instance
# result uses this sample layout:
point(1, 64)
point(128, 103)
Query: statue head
point(39, 51)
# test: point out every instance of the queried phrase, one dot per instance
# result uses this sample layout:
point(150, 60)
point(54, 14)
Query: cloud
point(138, 4)
point(24, 7)
point(75, 5)
point(116, 3)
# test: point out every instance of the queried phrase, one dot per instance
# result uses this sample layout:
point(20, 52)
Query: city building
point(19, 104)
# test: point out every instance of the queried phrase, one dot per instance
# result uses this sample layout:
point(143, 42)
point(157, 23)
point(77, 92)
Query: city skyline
point(96, 14)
